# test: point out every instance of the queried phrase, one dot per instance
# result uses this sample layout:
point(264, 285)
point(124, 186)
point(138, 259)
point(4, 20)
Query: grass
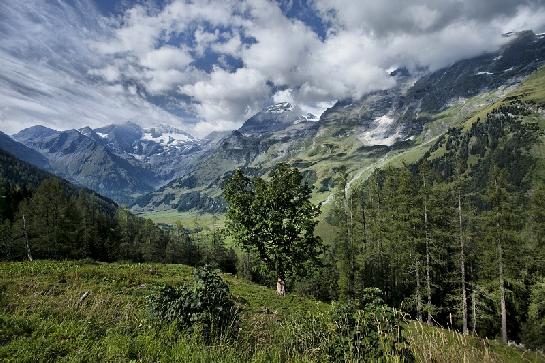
point(45, 317)
point(191, 219)
point(431, 344)
point(531, 90)
point(90, 312)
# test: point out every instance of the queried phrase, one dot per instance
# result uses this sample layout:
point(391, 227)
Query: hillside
point(44, 216)
point(22, 152)
point(20, 174)
point(77, 311)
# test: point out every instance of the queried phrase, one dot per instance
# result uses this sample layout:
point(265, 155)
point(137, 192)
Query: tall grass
point(43, 319)
point(432, 344)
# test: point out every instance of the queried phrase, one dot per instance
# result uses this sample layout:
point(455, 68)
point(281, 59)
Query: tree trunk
point(428, 278)
point(349, 244)
point(502, 297)
point(281, 286)
point(462, 267)
point(418, 296)
point(27, 242)
point(473, 312)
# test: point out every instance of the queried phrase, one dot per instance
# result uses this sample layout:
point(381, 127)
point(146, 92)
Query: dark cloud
point(386, 18)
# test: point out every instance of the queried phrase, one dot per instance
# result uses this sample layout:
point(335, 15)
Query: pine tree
point(501, 225)
point(343, 247)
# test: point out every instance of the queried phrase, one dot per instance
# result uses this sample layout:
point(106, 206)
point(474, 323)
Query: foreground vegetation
point(84, 311)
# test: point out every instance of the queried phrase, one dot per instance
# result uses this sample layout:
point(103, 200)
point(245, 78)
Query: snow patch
point(379, 134)
point(484, 73)
point(508, 69)
point(309, 117)
point(166, 139)
point(101, 135)
point(138, 157)
point(167, 136)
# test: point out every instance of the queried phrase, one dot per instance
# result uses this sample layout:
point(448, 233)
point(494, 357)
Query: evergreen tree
point(342, 218)
point(501, 223)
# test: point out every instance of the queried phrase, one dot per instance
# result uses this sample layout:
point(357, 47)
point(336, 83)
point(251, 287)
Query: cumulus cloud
point(210, 64)
point(227, 97)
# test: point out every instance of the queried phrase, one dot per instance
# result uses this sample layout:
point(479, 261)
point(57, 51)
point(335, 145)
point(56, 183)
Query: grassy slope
point(190, 219)
point(42, 318)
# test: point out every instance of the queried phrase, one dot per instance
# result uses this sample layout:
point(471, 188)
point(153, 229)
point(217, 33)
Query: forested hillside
point(43, 216)
point(456, 238)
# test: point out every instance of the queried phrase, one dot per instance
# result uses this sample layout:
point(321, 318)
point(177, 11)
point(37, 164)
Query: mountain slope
point(382, 127)
point(277, 131)
point(163, 150)
point(19, 173)
point(22, 152)
point(122, 161)
point(88, 162)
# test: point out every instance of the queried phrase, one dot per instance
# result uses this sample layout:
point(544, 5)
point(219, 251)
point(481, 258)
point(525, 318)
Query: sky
point(208, 65)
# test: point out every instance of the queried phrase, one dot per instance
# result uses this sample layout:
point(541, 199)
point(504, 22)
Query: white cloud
point(384, 18)
point(110, 73)
point(225, 97)
point(284, 96)
point(66, 65)
point(44, 71)
point(167, 57)
point(203, 39)
point(233, 46)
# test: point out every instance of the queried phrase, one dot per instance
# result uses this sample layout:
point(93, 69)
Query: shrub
point(205, 306)
point(368, 329)
point(363, 330)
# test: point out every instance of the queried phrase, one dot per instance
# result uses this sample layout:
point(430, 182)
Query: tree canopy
point(274, 217)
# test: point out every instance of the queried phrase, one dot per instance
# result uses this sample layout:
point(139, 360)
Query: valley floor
point(89, 312)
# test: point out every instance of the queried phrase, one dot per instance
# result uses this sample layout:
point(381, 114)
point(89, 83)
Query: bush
point(368, 329)
point(364, 330)
point(205, 307)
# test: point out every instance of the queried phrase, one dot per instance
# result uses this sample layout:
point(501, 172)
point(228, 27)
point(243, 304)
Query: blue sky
point(206, 65)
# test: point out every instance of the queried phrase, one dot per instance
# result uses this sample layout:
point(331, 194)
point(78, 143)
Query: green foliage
point(353, 331)
point(368, 329)
point(535, 325)
point(206, 306)
point(341, 216)
point(274, 218)
point(62, 222)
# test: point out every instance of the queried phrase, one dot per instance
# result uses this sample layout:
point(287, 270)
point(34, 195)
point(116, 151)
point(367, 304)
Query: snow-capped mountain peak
point(166, 135)
point(279, 107)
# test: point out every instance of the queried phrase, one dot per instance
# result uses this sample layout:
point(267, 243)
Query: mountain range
point(164, 168)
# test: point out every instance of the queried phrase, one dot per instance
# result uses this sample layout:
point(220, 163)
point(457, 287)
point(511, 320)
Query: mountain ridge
point(358, 134)
point(165, 168)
